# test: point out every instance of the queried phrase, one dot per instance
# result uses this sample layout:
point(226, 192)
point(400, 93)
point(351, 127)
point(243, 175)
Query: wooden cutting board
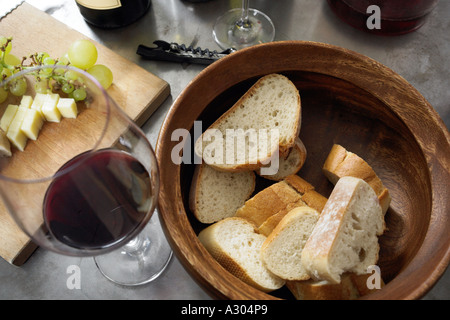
point(137, 91)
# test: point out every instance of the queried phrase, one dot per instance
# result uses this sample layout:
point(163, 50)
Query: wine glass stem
point(244, 22)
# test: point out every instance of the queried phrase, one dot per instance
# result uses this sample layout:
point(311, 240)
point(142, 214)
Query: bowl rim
point(435, 148)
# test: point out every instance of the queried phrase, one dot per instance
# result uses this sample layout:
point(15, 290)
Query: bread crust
point(341, 163)
point(228, 262)
point(299, 150)
point(301, 214)
point(282, 148)
point(323, 242)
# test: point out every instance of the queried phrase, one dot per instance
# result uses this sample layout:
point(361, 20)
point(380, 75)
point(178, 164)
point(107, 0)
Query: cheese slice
point(49, 108)
point(38, 101)
point(8, 117)
point(68, 108)
point(32, 124)
point(15, 133)
point(26, 101)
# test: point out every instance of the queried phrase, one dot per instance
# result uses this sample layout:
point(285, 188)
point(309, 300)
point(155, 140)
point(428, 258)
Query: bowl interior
point(337, 111)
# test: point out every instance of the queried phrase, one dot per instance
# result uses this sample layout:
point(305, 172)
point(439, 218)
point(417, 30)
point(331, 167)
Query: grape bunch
point(82, 54)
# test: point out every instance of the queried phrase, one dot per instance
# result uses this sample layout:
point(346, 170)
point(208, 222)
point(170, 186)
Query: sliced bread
point(234, 243)
point(289, 165)
point(345, 238)
point(309, 195)
point(341, 163)
point(282, 250)
point(324, 290)
point(352, 287)
point(267, 202)
point(216, 195)
point(265, 122)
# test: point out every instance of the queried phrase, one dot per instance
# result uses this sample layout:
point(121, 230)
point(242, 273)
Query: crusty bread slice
point(271, 222)
point(282, 250)
point(272, 103)
point(341, 163)
point(216, 195)
point(345, 239)
point(307, 191)
point(324, 290)
point(352, 287)
point(289, 165)
point(234, 243)
point(267, 202)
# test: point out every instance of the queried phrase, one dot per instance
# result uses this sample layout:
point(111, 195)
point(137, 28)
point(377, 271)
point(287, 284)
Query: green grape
point(41, 56)
point(3, 40)
point(6, 73)
point(79, 94)
point(48, 61)
point(12, 60)
point(64, 60)
point(67, 88)
point(83, 54)
point(18, 87)
point(71, 75)
point(60, 71)
point(103, 75)
point(3, 95)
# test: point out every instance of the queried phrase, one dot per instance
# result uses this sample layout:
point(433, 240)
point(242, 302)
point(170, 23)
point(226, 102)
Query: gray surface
point(422, 58)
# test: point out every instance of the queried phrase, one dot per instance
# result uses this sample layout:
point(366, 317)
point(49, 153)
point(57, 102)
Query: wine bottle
point(112, 13)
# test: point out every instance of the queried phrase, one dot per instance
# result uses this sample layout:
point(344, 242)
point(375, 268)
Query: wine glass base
point(140, 261)
point(228, 34)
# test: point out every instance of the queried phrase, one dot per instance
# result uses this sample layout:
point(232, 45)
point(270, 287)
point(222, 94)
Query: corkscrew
point(174, 52)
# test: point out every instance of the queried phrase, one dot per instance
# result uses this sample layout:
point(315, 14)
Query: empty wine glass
point(86, 182)
point(243, 27)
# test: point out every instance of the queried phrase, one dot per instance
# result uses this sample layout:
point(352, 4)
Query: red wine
point(397, 16)
point(112, 13)
point(103, 197)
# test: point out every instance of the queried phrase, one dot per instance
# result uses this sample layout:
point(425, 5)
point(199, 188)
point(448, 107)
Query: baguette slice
point(273, 103)
point(323, 290)
point(289, 165)
point(216, 195)
point(268, 202)
point(234, 243)
point(282, 250)
point(308, 193)
point(345, 239)
point(352, 287)
point(341, 163)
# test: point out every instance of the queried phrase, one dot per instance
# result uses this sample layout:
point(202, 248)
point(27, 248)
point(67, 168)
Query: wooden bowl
point(348, 99)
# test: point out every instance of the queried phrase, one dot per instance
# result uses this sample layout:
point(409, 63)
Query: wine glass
point(243, 27)
point(87, 181)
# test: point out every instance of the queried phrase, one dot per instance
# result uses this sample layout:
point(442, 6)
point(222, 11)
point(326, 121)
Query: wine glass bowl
point(243, 27)
point(88, 182)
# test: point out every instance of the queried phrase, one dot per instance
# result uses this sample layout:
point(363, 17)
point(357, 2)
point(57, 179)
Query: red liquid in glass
point(100, 201)
point(397, 16)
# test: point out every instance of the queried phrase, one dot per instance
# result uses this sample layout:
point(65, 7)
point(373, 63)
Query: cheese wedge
point(68, 108)
point(26, 102)
point(49, 109)
point(5, 146)
point(38, 102)
point(8, 117)
point(32, 124)
point(15, 133)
